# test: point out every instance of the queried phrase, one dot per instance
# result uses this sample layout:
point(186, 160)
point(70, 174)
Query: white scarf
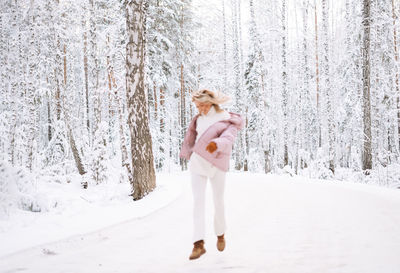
point(205, 121)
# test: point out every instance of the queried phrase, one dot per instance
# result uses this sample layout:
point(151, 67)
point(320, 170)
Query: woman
point(208, 144)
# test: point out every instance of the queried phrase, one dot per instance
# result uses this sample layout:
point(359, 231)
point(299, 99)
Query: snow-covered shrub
point(99, 160)
point(256, 161)
point(287, 170)
point(388, 176)
point(58, 147)
point(319, 168)
point(18, 190)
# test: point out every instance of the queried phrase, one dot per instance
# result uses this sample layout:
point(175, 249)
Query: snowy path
point(275, 224)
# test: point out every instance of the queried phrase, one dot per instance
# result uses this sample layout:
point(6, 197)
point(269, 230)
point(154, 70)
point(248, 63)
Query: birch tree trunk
point(367, 150)
point(144, 179)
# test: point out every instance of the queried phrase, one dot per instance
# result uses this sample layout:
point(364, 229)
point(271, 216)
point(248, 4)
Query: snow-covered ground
point(275, 224)
point(81, 211)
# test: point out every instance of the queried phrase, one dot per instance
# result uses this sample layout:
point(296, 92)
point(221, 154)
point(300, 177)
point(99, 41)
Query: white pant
point(199, 183)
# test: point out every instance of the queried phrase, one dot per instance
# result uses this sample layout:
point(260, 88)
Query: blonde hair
point(203, 95)
point(217, 108)
point(207, 96)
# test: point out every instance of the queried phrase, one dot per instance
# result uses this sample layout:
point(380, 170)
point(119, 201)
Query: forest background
point(316, 81)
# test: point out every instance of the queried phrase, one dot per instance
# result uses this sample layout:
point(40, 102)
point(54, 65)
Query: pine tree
point(255, 107)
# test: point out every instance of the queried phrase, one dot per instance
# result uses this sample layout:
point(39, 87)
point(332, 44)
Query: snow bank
point(18, 190)
point(71, 210)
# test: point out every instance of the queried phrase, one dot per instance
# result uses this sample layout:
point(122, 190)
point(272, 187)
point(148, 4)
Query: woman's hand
point(211, 147)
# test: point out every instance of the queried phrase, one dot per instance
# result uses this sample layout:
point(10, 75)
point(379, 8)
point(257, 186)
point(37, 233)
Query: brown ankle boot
point(221, 243)
point(198, 250)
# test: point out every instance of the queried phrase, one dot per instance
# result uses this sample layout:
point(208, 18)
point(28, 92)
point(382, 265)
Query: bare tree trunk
point(162, 111)
point(65, 65)
point(49, 130)
point(284, 87)
point(30, 95)
point(95, 70)
point(144, 179)
point(86, 72)
point(241, 135)
point(183, 162)
point(155, 102)
point(396, 57)
point(74, 149)
point(327, 86)
point(75, 152)
point(57, 93)
point(367, 150)
point(267, 161)
point(183, 103)
point(71, 139)
point(111, 85)
point(246, 141)
point(307, 132)
point(237, 149)
point(225, 50)
point(162, 126)
point(190, 104)
point(317, 72)
point(12, 144)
